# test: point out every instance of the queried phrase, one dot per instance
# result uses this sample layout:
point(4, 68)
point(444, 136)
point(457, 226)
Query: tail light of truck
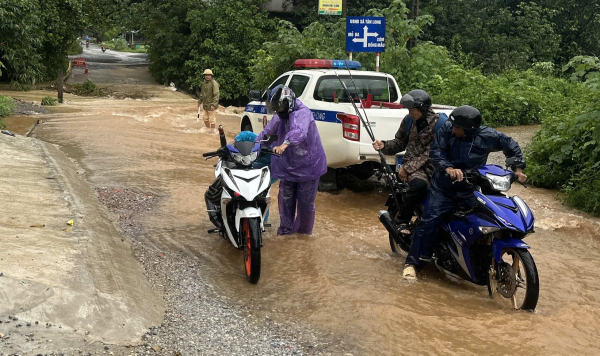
point(350, 126)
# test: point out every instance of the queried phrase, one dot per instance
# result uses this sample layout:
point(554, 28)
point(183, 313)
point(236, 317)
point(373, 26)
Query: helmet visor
point(277, 107)
point(408, 102)
point(272, 107)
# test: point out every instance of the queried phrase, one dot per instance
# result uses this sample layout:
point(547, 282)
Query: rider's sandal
point(404, 229)
point(410, 273)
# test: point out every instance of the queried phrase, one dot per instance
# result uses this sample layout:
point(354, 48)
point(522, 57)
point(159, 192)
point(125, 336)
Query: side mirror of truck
point(254, 95)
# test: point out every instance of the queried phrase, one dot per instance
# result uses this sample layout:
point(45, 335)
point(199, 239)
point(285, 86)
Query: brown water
point(344, 279)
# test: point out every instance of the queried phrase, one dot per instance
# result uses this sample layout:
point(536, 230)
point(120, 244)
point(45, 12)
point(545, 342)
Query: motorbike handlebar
point(270, 151)
point(218, 152)
point(468, 176)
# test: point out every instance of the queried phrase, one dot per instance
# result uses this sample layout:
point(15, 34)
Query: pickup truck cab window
point(298, 84)
point(281, 80)
point(380, 88)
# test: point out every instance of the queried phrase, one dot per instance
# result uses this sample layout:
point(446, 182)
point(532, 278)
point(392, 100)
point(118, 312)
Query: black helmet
point(281, 100)
point(466, 117)
point(416, 99)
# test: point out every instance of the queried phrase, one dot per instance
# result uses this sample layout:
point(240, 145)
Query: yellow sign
point(330, 7)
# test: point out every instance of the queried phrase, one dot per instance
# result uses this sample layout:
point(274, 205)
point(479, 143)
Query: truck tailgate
point(384, 123)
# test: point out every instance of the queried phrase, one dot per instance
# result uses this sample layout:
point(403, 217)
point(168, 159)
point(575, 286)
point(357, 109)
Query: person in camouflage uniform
point(416, 168)
point(209, 99)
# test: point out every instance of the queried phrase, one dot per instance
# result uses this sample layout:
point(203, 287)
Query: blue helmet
point(281, 100)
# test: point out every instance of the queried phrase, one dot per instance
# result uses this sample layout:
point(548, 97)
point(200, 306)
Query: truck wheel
point(362, 171)
point(328, 181)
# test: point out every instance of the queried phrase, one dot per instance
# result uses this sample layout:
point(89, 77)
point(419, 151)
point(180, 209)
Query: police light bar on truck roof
point(327, 63)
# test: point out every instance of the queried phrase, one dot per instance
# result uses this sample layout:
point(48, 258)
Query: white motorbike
point(239, 199)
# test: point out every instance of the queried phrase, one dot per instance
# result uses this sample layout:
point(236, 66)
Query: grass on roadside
point(49, 101)
point(121, 45)
point(89, 88)
point(7, 105)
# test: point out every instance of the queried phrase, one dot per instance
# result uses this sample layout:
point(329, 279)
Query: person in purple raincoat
point(302, 160)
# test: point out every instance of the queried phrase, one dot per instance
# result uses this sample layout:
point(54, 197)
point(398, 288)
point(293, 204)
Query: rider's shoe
point(410, 273)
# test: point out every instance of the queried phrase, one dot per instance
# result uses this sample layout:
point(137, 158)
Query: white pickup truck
point(346, 142)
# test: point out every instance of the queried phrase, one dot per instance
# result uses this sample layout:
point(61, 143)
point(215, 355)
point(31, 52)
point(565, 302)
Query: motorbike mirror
point(270, 138)
point(254, 95)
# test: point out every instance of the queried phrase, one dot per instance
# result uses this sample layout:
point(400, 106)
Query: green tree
point(327, 40)
point(168, 33)
point(565, 154)
point(20, 40)
point(189, 36)
point(496, 34)
point(578, 24)
point(62, 20)
point(35, 36)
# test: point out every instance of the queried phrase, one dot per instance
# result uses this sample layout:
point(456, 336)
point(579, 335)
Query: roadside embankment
point(63, 287)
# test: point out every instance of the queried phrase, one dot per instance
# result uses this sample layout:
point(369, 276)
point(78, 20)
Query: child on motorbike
point(462, 144)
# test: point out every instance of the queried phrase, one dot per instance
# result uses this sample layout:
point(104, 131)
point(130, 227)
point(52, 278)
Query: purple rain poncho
point(304, 159)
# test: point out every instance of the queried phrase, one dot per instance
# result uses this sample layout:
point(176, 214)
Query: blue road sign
point(365, 34)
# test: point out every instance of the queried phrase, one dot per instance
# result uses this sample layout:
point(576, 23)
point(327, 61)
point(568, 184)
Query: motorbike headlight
point(501, 183)
point(245, 160)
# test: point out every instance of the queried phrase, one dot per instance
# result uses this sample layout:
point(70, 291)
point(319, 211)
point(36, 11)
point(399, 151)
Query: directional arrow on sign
point(367, 35)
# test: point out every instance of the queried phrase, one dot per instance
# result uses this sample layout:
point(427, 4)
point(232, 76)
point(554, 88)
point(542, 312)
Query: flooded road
point(344, 280)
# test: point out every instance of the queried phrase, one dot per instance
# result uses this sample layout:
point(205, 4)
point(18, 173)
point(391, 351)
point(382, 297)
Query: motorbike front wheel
point(518, 279)
point(251, 233)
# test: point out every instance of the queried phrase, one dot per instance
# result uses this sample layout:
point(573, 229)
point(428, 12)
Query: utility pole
point(414, 12)
point(344, 12)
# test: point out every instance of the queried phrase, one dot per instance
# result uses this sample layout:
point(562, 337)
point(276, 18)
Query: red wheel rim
point(247, 247)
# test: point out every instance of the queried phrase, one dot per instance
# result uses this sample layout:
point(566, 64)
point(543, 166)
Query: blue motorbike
point(483, 245)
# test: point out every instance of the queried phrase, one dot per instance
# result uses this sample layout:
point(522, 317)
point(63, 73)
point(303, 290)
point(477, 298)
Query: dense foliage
point(7, 105)
point(513, 34)
point(510, 98)
point(35, 37)
point(188, 36)
point(565, 154)
point(49, 101)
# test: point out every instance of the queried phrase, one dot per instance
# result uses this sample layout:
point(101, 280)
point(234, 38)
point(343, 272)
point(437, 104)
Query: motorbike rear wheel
point(518, 280)
point(251, 233)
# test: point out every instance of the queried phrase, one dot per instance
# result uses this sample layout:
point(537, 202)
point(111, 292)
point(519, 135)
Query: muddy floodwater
point(344, 280)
